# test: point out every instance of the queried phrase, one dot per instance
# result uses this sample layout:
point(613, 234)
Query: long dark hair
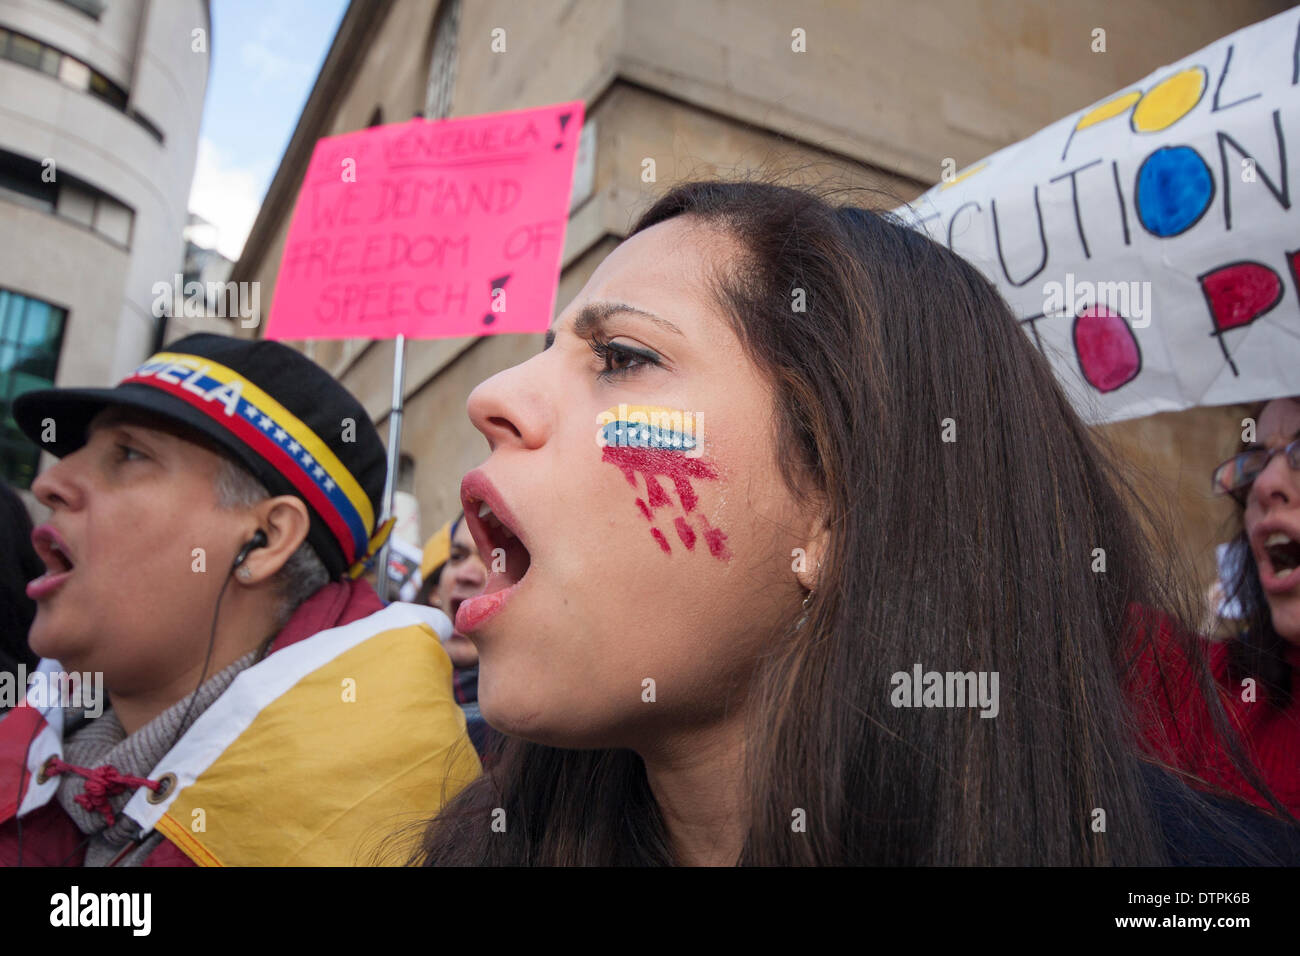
point(973, 554)
point(1257, 650)
point(18, 565)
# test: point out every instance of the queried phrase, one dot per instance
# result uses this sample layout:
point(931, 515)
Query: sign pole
point(394, 457)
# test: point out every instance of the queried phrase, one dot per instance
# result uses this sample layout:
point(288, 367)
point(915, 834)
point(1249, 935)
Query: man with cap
point(210, 518)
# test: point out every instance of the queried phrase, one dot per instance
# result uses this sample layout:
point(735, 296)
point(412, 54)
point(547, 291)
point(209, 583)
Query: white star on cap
point(265, 423)
point(281, 434)
point(294, 447)
point(318, 471)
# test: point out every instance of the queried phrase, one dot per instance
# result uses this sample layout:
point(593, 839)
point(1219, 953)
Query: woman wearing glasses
point(1253, 669)
point(1259, 664)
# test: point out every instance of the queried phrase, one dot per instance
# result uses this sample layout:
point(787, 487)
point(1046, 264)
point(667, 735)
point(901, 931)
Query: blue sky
point(265, 58)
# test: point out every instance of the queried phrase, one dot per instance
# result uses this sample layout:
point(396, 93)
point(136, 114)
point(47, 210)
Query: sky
point(265, 58)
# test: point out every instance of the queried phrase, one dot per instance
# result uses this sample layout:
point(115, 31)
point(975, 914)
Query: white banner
point(1149, 244)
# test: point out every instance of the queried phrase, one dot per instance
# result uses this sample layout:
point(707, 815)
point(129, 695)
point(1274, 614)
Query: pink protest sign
point(430, 229)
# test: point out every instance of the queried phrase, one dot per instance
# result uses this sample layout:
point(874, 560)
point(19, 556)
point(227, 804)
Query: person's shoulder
point(367, 621)
point(427, 625)
point(1204, 829)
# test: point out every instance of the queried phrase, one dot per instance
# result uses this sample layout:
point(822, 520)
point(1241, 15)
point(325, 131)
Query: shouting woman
point(1254, 668)
point(821, 589)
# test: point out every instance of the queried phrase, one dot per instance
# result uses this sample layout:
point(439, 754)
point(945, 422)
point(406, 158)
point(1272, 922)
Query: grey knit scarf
point(104, 741)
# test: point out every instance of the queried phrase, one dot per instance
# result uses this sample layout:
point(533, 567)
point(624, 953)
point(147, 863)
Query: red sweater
point(1177, 729)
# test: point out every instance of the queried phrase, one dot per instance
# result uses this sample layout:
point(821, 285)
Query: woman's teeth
point(1283, 553)
point(492, 521)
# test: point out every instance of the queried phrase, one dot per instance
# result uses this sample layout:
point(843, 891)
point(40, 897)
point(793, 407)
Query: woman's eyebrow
point(591, 318)
point(1260, 446)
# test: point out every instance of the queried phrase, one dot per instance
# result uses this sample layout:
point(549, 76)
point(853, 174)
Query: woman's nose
point(512, 407)
point(1276, 484)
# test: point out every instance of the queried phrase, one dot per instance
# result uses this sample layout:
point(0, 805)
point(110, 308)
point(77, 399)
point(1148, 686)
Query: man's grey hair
point(304, 573)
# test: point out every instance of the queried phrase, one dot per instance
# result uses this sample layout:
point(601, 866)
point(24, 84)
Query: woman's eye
point(127, 453)
point(620, 359)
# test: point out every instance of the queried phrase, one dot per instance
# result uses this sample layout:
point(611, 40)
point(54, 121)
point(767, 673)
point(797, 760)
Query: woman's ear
point(285, 522)
point(808, 559)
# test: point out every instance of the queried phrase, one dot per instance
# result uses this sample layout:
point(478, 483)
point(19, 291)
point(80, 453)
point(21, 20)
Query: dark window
point(107, 90)
point(25, 50)
point(31, 335)
point(50, 58)
point(71, 72)
point(21, 179)
point(144, 121)
point(91, 8)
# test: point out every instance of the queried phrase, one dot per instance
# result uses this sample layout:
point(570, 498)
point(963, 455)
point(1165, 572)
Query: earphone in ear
point(258, 540)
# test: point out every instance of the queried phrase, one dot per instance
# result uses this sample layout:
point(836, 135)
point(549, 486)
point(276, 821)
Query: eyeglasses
point(1235, 476)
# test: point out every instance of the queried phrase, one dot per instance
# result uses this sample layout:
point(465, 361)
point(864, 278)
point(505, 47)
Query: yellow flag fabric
point(341, 768)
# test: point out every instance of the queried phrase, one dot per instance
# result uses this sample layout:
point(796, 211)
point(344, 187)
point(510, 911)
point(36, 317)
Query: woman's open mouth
point(501, 546)
point(53, 551)
point(1281, 559)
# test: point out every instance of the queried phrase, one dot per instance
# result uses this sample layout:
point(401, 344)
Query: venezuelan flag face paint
point(652, 426)
point(649, 443)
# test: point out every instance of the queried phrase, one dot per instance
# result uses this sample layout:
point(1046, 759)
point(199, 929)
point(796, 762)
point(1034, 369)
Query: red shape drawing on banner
point(430, 229)
point(1240, 292)
point(1108, 351)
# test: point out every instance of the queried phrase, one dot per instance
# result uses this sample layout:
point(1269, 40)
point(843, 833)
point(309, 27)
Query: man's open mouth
point(57, 558)
point(52, 550)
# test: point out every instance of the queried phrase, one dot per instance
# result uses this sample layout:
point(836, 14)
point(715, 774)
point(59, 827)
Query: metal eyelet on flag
point(166, 783)
point(41, 775)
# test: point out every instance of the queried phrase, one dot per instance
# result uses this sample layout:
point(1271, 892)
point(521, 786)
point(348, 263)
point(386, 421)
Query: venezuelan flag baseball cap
point(276, 412)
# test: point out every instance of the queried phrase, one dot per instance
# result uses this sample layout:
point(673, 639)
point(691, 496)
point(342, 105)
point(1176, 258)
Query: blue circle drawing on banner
point(1174, 188)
